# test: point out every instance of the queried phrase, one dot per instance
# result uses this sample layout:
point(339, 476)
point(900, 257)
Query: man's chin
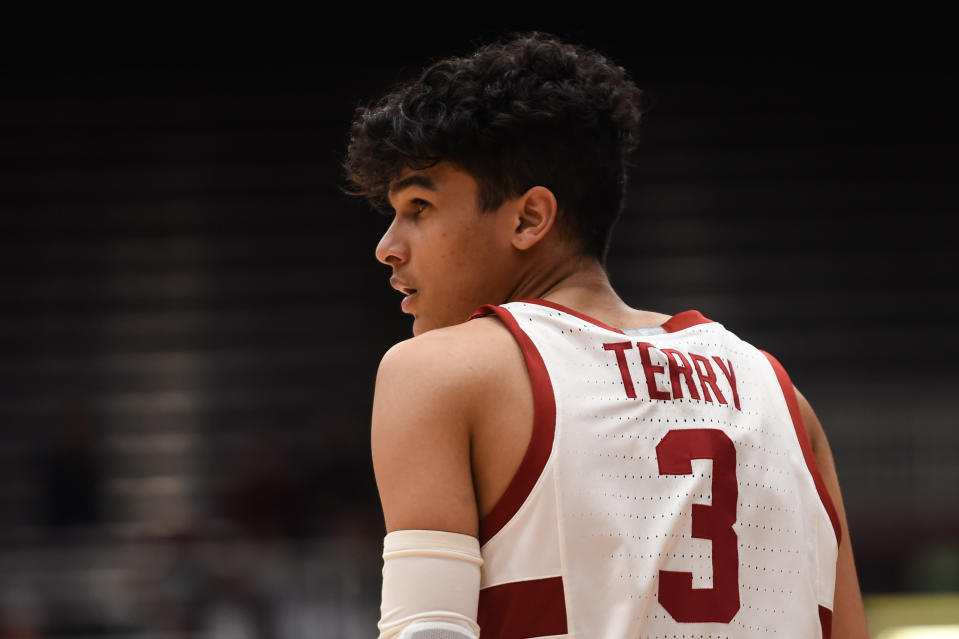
point(420, 326)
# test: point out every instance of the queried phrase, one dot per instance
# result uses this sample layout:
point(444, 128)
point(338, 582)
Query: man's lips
point(404, 305)
point(404, 288)
point(401, 286)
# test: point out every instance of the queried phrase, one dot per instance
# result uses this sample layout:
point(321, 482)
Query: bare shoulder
point(449, 357)
point(430, 390)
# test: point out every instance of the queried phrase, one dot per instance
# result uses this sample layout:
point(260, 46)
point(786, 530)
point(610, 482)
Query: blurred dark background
point(193, 314)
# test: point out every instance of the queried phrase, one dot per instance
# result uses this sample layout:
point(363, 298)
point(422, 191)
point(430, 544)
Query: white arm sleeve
point(431, 585)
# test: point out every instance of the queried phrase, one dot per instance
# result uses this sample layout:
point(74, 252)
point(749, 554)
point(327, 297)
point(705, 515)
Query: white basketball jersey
point(669, 490)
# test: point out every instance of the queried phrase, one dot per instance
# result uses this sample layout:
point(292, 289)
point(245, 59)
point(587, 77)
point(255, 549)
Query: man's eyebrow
point(412, 180)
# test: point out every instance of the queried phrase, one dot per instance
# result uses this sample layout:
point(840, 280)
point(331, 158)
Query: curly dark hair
point(530, 110)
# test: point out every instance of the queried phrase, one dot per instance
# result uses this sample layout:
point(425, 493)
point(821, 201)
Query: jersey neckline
point(678, 322)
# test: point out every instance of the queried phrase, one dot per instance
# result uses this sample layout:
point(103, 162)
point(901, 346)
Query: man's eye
point(413, 207)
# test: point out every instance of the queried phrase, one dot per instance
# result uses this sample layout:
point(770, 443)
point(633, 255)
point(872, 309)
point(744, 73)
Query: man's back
point(504, 173)
point(665, 484)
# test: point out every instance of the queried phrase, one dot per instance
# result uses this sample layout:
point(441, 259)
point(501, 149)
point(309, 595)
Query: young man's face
point(447, 256)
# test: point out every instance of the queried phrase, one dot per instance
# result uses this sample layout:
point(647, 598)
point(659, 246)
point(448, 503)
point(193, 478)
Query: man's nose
point(391, 250)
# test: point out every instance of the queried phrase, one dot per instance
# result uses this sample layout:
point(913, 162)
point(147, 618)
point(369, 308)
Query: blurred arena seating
point(194, 318)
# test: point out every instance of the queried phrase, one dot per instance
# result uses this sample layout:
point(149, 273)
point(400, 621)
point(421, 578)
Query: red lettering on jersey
point(676, 593)
point(650, 370)
point(676, 369)
point(707, 376)
point(730, 377)
point(680, 371)
point(620, 348)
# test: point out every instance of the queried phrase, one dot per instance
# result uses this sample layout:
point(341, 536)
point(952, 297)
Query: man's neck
point(582, 284)
point(575, 282)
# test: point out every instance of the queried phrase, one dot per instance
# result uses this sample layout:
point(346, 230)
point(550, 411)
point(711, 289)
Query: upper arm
point(849, 619)
point(420, 439)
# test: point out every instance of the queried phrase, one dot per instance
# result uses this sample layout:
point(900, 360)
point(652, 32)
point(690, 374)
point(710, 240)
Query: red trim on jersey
point(541, 441)
point(523, 609)
point(684, 320)
point(793, 404)
point(569, 311)
point(825, 622)
point(677, 322)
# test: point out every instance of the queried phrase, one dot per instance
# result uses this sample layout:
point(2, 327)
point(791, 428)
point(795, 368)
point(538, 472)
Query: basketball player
point(552, 462)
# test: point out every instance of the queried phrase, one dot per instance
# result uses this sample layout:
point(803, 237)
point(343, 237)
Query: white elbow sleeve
point(431, 585)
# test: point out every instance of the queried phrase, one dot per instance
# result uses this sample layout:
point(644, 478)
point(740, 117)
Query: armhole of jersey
point(792, 404)
point(541, 440)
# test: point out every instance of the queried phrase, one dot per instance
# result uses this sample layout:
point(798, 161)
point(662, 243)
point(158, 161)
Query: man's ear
point(535, 216)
